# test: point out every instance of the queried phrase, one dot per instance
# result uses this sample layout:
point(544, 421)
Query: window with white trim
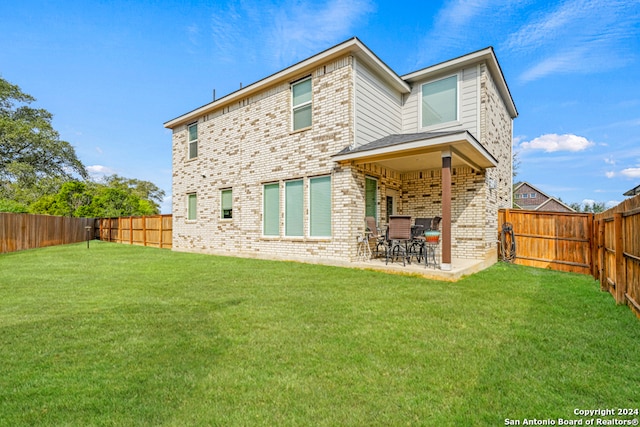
point(320, 206)
point(371, 197)
point(226, 197)
point(193, 140)
point(293, 208)
point(271, 210)
point(440, 101)
point(301, 103)
point(192, 207)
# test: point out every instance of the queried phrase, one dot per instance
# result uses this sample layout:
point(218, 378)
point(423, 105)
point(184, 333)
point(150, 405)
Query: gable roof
point(635, 190)
point(549, 200)
point(352, 46)
point(488, 56)
point(358, 49)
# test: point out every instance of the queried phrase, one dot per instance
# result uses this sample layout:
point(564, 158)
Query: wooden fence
point(553, 240)
point(153, 230)
point(25, 231)
point(616, 252)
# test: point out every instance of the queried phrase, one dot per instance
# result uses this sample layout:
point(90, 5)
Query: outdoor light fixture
point(88, 228)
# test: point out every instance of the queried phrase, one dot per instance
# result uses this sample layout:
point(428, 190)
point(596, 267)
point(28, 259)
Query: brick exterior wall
point(246, 145)
point(496, 134)
point(249, 144)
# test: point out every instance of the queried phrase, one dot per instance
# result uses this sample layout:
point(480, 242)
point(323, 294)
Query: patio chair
point(373, 233)
point(400, 237)
point(417, 247)
point(435, 223)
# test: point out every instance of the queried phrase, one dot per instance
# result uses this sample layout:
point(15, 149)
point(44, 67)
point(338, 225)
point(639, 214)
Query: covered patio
point(417, 158)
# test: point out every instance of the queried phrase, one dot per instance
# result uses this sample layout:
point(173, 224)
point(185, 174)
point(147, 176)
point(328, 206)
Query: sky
point(112, 72)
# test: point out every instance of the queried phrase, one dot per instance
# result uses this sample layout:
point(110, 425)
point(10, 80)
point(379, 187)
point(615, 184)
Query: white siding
point(378, 107)
point(468, 104)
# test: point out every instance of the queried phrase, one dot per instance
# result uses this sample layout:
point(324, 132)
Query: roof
point(488, 56)
point(405, 151)
point(550, 199)
point(634, 191)
point(352, 46)
point(358, 49)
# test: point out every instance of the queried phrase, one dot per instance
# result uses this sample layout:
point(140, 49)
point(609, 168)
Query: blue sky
point(112, 72)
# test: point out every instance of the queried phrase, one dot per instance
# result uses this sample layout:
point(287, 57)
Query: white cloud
point(553, 142)
point(631, 172)
point(280, 32)
point(610, 174)
point(99, 171)
point(577, 36)
point(611, 203)
point(610, 160)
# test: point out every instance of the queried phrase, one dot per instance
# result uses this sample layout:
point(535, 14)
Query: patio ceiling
point(408, 152)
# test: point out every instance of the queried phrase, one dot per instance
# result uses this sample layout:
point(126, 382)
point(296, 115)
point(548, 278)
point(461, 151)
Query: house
point(289, 166)
point(526, 196)
point(633, 192)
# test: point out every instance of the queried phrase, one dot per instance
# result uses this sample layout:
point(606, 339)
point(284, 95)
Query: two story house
point(289, 166)
point(526, 196)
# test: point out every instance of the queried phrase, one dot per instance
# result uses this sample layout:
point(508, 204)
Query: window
point(532, 196)
point(227, 203)
point(271, 210)
point(320, 206)
point(301, 104)
point(371, 197)
point(525, 195)
point(440, 101)
point(192, 207)
point(193, 141)
point(293, 211)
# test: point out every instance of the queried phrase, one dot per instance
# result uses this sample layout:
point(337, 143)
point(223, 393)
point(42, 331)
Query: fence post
point(621, 281)
point(601, 254)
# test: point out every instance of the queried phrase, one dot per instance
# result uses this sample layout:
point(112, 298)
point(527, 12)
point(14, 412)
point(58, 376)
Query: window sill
point(293, 132)
point(441, 126)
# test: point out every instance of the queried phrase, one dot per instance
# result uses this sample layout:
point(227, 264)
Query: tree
point(145, 190)
point(594, 207)
point(39, 173)
point(30, 148)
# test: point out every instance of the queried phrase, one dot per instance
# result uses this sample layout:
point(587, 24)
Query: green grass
point(120, 335)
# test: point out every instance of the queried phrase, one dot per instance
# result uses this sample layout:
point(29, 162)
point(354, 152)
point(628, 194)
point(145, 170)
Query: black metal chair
point(373, 233)
point(417, 248)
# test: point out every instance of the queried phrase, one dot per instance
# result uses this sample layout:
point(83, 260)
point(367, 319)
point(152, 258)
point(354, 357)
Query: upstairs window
point(227, 204)
point(193, 141)
point(440, 101)
point(301, 104)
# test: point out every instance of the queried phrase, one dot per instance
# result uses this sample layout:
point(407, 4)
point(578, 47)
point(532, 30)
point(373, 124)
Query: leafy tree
point(145, 190)
point(595, 207)
point(8, 205)
point(39, 173)
point(29, 146)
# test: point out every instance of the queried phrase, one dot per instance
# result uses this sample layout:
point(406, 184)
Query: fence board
point(25, 231)
point(155, 230)
point(554, 240)
point(618, 252)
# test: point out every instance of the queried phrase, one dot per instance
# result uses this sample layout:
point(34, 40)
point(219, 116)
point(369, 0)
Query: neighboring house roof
point(355, 47)
point(634, 191)
point(549, 204)
point(397, 148)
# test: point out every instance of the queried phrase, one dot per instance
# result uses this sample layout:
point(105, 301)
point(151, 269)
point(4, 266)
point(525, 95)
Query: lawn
point(121, 335)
